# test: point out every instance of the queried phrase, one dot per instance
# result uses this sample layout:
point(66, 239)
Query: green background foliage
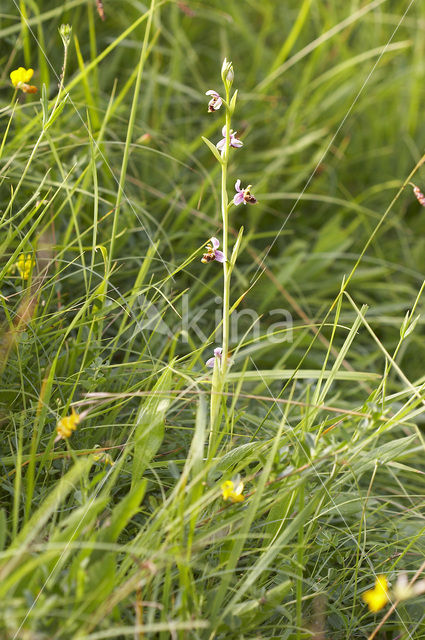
point(115, 199)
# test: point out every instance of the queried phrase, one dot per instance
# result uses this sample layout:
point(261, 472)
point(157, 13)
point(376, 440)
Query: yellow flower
point(232, 492)
point(21, 75)
point(67, 425)
point(377, 597)
point(20, 78)
point(103, 457)
point(25, 264)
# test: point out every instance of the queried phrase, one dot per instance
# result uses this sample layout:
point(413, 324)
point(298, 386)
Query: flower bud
point(65, 33)
point(227, 73)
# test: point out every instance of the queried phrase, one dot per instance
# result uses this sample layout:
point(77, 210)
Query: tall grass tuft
point(278, 492)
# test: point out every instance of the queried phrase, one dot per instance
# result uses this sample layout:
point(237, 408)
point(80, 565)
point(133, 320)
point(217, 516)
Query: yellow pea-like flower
point(232, 492)
point(103, 457)
point(67, 425)
point(377, 598)
point(20, 78)
point(24, 264)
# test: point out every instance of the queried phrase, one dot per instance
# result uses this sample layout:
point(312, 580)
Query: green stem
point(219, 375)
point(61, 79)
point(299, 569)
point(226, 264)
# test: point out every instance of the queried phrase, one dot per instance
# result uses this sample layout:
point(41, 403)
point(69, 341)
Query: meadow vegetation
point(277, 495)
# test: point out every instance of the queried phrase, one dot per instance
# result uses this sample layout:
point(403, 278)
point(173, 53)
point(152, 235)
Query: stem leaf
point(56, 113)
point(150, 427)
point(235, 251)
point(233, 102)
point(213, 149)
point(44, 104)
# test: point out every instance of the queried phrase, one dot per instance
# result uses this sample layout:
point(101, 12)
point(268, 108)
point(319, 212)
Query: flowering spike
point(25, 264)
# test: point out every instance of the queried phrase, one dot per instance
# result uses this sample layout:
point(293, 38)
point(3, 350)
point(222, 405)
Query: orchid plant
point(221, 151)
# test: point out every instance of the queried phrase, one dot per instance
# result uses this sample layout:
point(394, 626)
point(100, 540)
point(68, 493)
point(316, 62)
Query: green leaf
point(409, 325)
point(215, 400)
point(56, 113)
point(235, 251)
point(70, 527)
point(44, 104)
point(254, 612)
point(123, 512)
point(195, 458)
point(51, 503)
point(302, 374)
point(37, 522)
point(233, 102)
point(245, 452)
point(384, 454)
point(100, 580)
point(212, 148)
point(150, 426)
point(99, 295)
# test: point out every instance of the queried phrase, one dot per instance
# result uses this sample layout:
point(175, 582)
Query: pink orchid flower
point(213, 252)
point(234, 142)
point(215, 102)
point(243, 195)
point(217, 354)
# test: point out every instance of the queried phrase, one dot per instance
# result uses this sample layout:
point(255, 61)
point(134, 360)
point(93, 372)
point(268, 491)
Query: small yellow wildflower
point(67, 425)
point(20, 78)
point(232, 492)
point(377, 597)
point(103, 457)
point(25, 264)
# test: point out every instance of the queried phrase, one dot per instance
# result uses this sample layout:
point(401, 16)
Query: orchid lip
point(243, 195)
point(212, 252)
point(215, 102)
point(217, 354)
